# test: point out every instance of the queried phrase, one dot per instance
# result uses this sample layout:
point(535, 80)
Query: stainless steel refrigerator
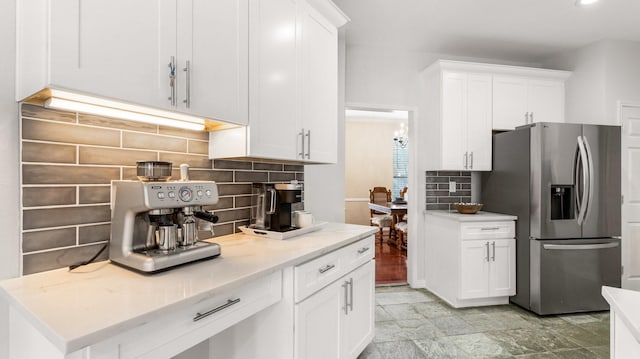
point(563, 182)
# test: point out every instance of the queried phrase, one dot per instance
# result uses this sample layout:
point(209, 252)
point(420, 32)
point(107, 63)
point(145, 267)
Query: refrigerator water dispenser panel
point(562, 199)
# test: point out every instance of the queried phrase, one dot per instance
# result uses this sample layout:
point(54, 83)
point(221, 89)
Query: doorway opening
point(377, 156)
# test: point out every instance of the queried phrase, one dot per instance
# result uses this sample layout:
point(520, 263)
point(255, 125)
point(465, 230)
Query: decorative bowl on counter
point(467, 208)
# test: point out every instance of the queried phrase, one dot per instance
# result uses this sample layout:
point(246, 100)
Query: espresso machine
point(272, 205)
point(155, 222)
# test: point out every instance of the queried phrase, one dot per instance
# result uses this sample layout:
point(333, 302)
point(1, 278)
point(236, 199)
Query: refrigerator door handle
point(581, 198)
point(580, 246)
point(590, 181)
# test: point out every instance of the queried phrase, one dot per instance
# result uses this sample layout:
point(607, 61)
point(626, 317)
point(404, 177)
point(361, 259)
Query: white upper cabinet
point(461, 103)
point(293, 84)
point(460, 122)
point(519, 101)
point(128, 50)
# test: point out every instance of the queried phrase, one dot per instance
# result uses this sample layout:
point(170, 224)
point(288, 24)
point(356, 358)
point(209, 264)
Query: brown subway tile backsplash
point(48, 196)
point(153, 142)
point(64, 216)
point(69, 133)
point(41, 240)
point(68, 163)
point(48, 153)
point(50, 174)
point(89, 195)
point(438, 196)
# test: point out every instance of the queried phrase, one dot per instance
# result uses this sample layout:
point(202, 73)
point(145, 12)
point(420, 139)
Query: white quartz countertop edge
point(80, 308)
point(481, 216)
point(624, 302)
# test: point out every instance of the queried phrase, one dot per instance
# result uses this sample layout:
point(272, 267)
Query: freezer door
point(567, 275)
point(602, 213)
point(554, 150)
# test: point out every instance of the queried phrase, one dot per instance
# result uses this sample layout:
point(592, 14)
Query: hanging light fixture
point(400, 137)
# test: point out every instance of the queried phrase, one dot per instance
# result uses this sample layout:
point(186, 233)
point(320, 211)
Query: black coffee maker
point(271, 205)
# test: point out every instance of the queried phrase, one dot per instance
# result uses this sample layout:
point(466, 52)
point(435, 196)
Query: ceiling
point(511, 30)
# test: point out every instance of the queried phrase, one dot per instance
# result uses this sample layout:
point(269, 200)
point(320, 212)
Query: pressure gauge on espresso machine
point(185, 194)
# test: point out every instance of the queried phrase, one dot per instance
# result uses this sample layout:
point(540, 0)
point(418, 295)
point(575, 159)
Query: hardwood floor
point(391, 267)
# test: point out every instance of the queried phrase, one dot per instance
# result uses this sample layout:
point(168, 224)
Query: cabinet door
point(317, 321)
point(359, 322)
point(213, 37)
point(273, 82)
point(474, 269)
point(110, 48)
point(546, 100)
point(453, 117)
point(502, 280)
point(509, 102)
point(319, 86)
point(478, 124)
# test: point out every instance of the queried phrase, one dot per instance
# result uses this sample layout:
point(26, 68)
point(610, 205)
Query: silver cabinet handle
point(351, 294)
point(487, 246)
point(493, 256)
point(362, 250)
point(301, 134)
point(531, 117)
point(526, 118)
point(308, 135)
point(466, 160)
point(471, 160)
point(229, 303)
point(489, 228)
point(326, 268)
point(346, 298)
point(187, 70)
point(172, 81)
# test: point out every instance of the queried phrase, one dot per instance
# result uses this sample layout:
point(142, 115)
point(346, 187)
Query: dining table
point(395, 209)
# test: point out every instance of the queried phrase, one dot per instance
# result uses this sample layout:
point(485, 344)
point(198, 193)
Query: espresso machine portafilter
point(154, 224)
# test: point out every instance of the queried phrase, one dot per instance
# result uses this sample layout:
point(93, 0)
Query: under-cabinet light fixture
point(585, 2)
point(98, 106)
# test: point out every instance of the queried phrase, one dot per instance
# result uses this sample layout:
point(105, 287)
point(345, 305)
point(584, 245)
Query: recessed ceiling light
point(585, 2)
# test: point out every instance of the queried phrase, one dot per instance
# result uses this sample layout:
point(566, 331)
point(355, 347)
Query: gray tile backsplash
point(69, 159)
point(438, 195)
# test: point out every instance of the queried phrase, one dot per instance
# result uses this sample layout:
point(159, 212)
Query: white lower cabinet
point(471, 262)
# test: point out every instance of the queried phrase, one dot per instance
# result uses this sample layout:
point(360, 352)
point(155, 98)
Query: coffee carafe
point(272, 205)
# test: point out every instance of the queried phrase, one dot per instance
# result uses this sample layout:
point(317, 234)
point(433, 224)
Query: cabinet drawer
point(181, 328)
point(484, 230)
point(320, 272)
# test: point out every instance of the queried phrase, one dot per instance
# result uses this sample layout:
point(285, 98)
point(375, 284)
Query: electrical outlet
point(452, 186)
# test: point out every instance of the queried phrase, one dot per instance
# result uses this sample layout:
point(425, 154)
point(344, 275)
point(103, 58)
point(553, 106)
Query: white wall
point(604, 73)
point(9, 176)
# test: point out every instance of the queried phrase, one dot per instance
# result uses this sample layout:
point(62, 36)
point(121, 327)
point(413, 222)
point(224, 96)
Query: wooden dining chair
point(380, 195)
point(402, 227)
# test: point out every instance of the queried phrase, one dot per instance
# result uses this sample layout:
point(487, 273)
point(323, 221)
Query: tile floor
point(413, 323)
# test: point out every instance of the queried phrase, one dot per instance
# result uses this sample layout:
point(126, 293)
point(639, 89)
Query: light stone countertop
point(625, 303)
point(95, 302)
point(481, 216)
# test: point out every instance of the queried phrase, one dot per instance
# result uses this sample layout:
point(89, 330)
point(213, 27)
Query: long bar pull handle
point(489, 228)
point(580, 246)
point(493, 255)
point(309, 144)
point(362, 250)
point(531, 117)
point(346, 298)
point(590, 180)
point(466, 160)
point(301, 134)
point(172, 81)
point(487, 245)
point(526, 118)
point(351, 294)
point(229, 303)
point(187, 70)
point(585, 174)
point(471, 160)
point(326, 268)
